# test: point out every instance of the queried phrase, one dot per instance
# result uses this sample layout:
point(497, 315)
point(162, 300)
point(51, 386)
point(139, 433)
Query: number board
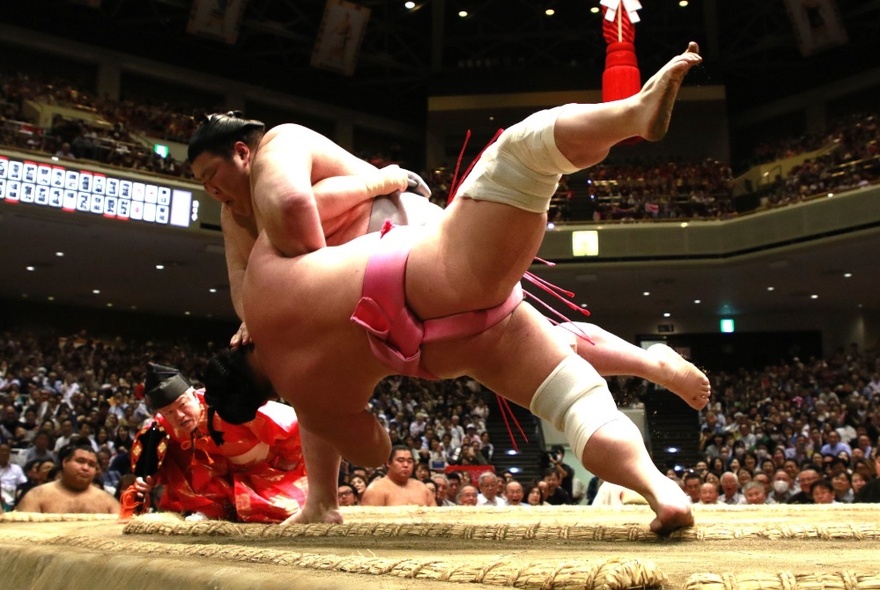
point(78, 190)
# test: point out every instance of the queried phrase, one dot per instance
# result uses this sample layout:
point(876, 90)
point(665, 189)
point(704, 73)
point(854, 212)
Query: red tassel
point(621, 78)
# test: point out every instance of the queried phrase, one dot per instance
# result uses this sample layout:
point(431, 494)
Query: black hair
point(396, 448)
point(218, 132)
point(231, 388)
point(76, 444)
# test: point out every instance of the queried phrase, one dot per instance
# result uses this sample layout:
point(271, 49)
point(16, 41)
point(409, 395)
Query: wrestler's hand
point(240, 338)
point(387, 180)
point(415, 184)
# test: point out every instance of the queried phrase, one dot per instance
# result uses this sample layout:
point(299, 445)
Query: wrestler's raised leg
point(612, 355)
point(494, 227)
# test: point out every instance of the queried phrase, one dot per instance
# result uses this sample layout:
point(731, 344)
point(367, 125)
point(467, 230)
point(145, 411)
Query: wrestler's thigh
point(472, 258)
point(512, 358)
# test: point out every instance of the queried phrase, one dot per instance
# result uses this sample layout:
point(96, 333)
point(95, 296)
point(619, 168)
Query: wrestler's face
point(227, 180)
point(79, 469)
point(401, 465)
point(184, 413)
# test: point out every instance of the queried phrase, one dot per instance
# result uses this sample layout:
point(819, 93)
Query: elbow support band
point(576, 400)
point(522, 168)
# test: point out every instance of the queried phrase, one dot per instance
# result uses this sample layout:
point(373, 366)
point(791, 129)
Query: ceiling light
point(50, 298)
point(771, 288)
point(160, 267)
point(409, 5)
point(96, 291)
point(212, 290)
point(59, 254)
point(814, 296)
point(462, 13)
point(31, 268)
point(549, 12)
point(646, 293)
point(666, 314)
point(594, 10)
point(847, 275)
point(186, 313)
point(697, 301)
point(683, 3)
point(109, 305)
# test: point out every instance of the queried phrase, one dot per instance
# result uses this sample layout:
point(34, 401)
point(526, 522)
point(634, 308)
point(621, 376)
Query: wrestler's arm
point(281, 189)
point(238, 241)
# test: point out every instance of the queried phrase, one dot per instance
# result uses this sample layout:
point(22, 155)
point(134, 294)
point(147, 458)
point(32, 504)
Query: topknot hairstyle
point(231, 389)
point(218, 132)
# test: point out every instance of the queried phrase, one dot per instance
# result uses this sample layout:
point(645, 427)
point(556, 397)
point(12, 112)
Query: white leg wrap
point(576, 400)
point(522, 168)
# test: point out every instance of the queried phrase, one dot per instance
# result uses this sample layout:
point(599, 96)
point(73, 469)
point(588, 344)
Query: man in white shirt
point(11, 475)
point(488, 484)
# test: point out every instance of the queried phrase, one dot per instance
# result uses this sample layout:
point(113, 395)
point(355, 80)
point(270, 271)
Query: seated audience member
point(348, 496)
point(73, 492)
point(870, 493)
point(535, 497)
point(11, 476)
point(39, 448)
point(217, 467)
point(554, 494)
point(513, 493)
point(807, 477)
point(755, 493)
point(467, 496)
point(709, 494)
point(730, 488)
point(397, 487)
point(823, 492)
point(441, 485)
point(454, 480)
point(488, 484)
point(692, 483)
point(782, 488)
point(842, 484)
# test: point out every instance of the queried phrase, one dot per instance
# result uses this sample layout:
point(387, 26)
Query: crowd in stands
point(810, 423)
point(610, 192)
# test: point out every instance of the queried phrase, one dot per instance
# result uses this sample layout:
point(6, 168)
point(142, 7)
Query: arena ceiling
point(750, 46)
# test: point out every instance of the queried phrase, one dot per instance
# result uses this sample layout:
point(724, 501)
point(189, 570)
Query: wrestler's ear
point(242, 150)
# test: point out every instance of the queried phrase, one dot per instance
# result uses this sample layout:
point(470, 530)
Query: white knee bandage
point(576, 400)
point(522, 168)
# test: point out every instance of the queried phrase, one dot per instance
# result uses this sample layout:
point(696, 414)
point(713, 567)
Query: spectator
point(730, 487)
point(11, 476)
point(841, 483)
point(454, 480)
point(358, 482)
point(535, 496)
point(755, 493)
point(441, 487)
point(870, 493)
point(488, 484)
point(554, 494)
point(833, 446)
point(709, 494)
point(807, 477)
point(40, 448)
point(37, 473)
point(692, 486)
point(782, 488)
point(467, 496)
point(823, 492)
point(348, 496)
point(513, 493)
point(73, 492)
point(398, 488)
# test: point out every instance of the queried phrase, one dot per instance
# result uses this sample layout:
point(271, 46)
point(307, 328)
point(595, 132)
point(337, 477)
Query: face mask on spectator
point(780, 486)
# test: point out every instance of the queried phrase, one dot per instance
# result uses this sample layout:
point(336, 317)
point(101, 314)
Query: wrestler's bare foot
point(659, 92)
point(672, 507)
point(317, 515)
point(681, 377)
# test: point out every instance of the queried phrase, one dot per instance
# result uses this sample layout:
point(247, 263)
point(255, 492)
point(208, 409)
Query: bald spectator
point(692, 484)
point(709, 494)
point(755, 493)
point(730, 487)
point(467, 496)
point(514, 493)
point(73, 492)
point(488, 484)
point(398, 488)
point(347, 495)
point(806, 479)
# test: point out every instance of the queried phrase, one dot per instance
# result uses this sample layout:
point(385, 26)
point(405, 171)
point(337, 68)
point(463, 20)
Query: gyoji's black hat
point(163, 385)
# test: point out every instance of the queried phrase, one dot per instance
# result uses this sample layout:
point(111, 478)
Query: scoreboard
point(74, 189)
